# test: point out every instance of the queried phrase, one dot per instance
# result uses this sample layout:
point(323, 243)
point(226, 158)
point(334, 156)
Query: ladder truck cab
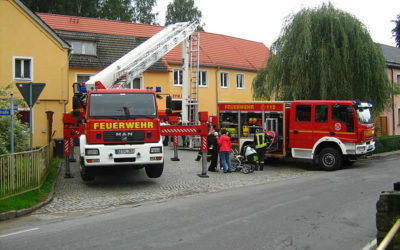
point(330, 133)
point(122, 128)
point(116, 124)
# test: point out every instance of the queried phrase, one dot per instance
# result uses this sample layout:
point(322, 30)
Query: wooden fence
point(24, 171)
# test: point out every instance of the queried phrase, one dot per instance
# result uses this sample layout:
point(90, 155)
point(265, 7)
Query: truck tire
point(86, 174)
point(154, 171)
point(330, 159)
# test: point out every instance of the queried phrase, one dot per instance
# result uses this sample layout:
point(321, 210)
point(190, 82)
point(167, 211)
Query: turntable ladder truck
point(117, 125)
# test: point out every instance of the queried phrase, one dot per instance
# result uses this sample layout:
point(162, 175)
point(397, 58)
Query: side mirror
point(168, 102)
point(75, 102)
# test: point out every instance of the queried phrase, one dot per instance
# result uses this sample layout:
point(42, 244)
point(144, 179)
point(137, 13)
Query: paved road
point(73, 196)
point(322, 210)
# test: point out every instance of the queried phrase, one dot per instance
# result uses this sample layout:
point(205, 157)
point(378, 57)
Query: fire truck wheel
point(154, 171)
point(329, 159)
point(86, 174)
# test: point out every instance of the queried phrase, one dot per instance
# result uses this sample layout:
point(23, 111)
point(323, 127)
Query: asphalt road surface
point(325, 210)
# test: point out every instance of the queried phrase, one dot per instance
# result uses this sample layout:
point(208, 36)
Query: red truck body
point(330, 132)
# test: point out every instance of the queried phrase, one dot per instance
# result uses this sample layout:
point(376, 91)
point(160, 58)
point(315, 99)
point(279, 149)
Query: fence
point(23, 172)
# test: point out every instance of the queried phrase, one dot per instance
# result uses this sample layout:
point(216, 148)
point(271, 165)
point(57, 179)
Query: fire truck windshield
point(122, 105)
point(364, 115)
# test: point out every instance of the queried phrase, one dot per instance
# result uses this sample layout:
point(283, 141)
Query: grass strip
point(30, 199)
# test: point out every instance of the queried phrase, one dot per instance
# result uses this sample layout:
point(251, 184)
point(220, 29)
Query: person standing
point(225, 148)
point(165, 138)
point(211, 130)
point(213, 151)
point(260, 143)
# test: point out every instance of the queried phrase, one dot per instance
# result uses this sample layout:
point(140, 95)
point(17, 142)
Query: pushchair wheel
point(246, 169)
point(236, 167)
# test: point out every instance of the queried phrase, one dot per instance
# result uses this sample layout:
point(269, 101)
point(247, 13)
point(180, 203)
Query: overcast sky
point(262, 20)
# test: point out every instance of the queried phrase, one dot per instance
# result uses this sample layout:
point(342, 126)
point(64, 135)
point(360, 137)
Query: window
point(303, 113)
point(398, 117)
point(203, 79)
point(240, 81)
point(82, 78)
point(224, 80)
point(344, 114)
point(23, 68)
point(178, 75)
point(83, 47)
point(398, 79)
point(321, 113)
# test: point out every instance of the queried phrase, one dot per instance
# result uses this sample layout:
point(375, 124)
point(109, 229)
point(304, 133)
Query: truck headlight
point(155, 150)
point(92, 151)
point(361, 148)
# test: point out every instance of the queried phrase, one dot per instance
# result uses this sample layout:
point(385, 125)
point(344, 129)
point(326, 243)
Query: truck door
point(342, 124)
point(322, 125)
point(300, 129)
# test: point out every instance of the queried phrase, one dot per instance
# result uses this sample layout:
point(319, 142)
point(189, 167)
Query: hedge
point(387, 144)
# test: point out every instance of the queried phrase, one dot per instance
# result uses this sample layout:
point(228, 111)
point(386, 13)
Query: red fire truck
point(118, 125)
point(331, 133)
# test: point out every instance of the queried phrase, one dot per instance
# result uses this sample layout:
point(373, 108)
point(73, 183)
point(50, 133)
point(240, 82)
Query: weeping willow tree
point(324, 53)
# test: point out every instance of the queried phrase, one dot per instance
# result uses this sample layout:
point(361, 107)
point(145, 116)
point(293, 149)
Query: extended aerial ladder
point(142, 57)
point(194, 60)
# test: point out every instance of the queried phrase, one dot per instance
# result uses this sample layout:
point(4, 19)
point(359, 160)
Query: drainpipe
point(393, 118)
point(216, 89)
point(65, 104)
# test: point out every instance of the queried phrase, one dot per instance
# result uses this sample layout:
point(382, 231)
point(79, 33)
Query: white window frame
point(242, 83)
point(82, 74)
point(23, 58)
point(398, 80)
point(398, 117)
point(224, 84)
point(200, 79)
point(83, 47)
point(180, 80)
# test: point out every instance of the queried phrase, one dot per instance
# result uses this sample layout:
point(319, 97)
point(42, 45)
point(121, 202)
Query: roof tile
point(215, 49)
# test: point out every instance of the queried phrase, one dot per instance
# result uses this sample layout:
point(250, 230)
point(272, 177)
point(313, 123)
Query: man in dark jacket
point(213, 151)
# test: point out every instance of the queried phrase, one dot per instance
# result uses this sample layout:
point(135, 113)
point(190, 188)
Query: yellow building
point(228, 65)
point(30, 51)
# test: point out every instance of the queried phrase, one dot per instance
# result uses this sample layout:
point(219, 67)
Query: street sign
point(5, 112)
point(30, 91)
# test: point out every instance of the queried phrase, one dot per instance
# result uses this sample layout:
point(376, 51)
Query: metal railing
point(24, 171)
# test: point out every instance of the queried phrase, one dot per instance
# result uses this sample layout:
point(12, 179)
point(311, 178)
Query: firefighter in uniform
point(260, 144)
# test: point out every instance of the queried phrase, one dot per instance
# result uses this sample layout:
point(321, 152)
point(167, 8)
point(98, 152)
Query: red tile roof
point(215, 49)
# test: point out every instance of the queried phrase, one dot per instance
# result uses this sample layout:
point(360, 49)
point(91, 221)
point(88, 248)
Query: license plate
point(125, 151)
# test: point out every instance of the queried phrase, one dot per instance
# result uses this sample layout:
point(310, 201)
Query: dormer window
point(83, 47)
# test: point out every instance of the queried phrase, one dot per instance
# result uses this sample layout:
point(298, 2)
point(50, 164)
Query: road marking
point(369, 246)
point(19, 232)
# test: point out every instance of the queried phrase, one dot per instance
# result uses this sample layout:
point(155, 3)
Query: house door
point(382, 125)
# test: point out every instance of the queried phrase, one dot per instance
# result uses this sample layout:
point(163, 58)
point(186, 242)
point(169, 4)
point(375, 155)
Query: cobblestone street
point(180, 178)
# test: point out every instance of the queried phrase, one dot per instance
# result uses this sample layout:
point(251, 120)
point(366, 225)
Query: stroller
point(246, 160)
point(245, 163)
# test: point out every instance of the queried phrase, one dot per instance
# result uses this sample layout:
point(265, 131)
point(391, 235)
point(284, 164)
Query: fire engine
point(328, 132)
point(117, 125)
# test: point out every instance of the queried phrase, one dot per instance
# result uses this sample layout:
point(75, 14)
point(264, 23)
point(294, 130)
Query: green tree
point(120, 10)
point(88, 8)
point(21, 131)
point(396, 31)
point(143, 12)
point(183, 11)
point(324, 53)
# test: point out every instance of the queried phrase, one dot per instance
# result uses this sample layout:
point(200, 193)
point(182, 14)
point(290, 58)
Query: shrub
point(387, 144)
